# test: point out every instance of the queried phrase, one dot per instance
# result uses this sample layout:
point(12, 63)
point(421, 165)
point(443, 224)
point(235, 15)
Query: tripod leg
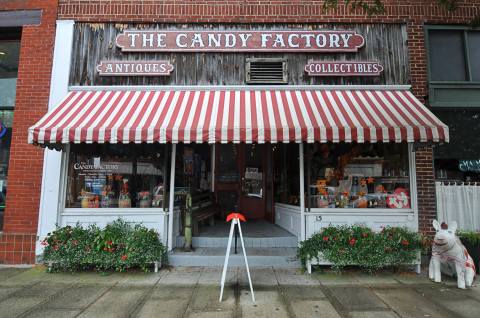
point(225, 265)
point(246, 262)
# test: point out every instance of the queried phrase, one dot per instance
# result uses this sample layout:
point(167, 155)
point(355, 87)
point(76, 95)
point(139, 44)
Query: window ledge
point(112, 211)
point(360, 211)
point(455, 95)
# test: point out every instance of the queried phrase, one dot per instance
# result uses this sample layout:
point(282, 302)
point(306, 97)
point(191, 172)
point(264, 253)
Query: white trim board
point(237, 87)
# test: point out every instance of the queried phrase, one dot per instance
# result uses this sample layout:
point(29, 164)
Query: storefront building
point(27, 30)
point(297, 118)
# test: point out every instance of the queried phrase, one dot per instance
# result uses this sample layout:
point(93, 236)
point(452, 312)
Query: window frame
point(413, 210)
point(466, 53)
point(66, 211)
point(456, 87)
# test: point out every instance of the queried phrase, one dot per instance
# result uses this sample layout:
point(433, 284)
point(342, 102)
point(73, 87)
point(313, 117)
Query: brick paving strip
point(193, 292)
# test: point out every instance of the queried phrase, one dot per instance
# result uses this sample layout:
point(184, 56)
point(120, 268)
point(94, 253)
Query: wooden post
point(171, 199)
point(188, 223)
point(302, 192)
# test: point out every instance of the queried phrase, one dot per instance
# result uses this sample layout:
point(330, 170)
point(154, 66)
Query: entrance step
point(255, 242)
point(215, 257)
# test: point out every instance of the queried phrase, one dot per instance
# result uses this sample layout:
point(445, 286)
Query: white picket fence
point(459, 202)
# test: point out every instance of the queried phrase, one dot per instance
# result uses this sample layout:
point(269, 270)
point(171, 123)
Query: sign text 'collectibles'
point(243, 41)
point(354, 68)
point(141, 68)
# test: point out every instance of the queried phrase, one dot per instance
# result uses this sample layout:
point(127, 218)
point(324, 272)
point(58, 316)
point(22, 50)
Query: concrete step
point(256, 242)
point(215, 257)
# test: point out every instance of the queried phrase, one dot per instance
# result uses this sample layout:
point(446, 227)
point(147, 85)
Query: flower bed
point(471, 241)
point(357, 245)
point(118, 246)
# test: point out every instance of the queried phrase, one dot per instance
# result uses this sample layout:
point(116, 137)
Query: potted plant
point(144, 199)
point(471, 241)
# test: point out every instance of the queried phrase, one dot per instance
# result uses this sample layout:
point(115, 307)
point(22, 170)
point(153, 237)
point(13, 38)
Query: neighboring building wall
point(415, 13)
point(17, 242)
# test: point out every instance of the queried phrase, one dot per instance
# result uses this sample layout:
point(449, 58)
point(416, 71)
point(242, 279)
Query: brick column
point(17, 242)
point(427, 210)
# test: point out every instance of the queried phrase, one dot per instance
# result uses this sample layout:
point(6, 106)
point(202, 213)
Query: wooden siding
point(385, 43)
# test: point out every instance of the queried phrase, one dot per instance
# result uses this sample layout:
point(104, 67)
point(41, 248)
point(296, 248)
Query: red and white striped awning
point(229, 114)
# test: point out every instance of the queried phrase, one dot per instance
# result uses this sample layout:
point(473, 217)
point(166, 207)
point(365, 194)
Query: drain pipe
point(302, 192)
point(171, 198)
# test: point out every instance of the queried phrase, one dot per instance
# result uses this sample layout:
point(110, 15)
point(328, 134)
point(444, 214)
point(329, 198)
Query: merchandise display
point(111, 177)
point(358, 176)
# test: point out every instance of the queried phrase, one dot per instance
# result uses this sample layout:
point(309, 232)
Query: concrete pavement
point(193, 292)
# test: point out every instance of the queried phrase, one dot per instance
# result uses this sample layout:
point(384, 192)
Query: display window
point(353, 176)
point(116, 176)
point(9, 57)
point(287, 173)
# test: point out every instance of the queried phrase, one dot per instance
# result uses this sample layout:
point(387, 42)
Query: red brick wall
point(413, 12)
point(425, 190)
point(17, 242)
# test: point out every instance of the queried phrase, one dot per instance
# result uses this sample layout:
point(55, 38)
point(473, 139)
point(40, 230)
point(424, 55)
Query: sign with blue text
point(469, 165)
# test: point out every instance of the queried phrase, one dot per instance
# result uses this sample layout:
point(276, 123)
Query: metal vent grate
point(266, 71)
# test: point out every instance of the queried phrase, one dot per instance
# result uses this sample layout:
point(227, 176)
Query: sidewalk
point(194, 292)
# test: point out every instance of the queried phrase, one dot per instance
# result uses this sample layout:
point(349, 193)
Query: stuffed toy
point(450, 256)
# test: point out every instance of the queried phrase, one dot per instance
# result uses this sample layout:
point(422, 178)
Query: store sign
point(354, 68)
point(140, 68)
point(96, 166)
point(239, 41)
point(469, 165)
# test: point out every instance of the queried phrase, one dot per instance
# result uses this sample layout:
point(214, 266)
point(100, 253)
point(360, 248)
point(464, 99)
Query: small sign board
point(240, 41)
point(134, 68)
point(469, 165)
point(343, 68)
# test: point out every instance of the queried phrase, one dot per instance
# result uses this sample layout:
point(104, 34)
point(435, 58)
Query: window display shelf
point(113, 211)
point(348, 211)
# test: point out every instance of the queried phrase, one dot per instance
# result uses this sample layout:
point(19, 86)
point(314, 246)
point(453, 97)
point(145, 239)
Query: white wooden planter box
point(322, 261)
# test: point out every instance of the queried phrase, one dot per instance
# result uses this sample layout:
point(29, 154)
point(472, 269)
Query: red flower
point(109, 242)
point(111, 250)
point(105, 249)
point(352, 241)
point(124, 257)
point(325, 238)
point(44, 243)
point(405, 243)
point(364, 235)
point(55, 247)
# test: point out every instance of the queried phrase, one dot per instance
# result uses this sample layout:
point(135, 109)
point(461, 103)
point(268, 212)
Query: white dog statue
point(450, 256)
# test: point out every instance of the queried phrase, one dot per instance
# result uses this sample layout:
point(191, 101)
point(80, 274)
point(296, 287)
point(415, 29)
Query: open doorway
point(223, 178)
point(244, 180)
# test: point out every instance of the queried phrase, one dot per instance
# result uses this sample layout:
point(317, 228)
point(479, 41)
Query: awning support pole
point(302, 192)
point(212, 186)
point(171, 198)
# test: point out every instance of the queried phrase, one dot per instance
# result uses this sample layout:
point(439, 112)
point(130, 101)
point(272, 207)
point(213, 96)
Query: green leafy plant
point(450, 5)
point(118, 246)
point(369, 7)
point(360, 246)
point(471, 237)
point(372, 7)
